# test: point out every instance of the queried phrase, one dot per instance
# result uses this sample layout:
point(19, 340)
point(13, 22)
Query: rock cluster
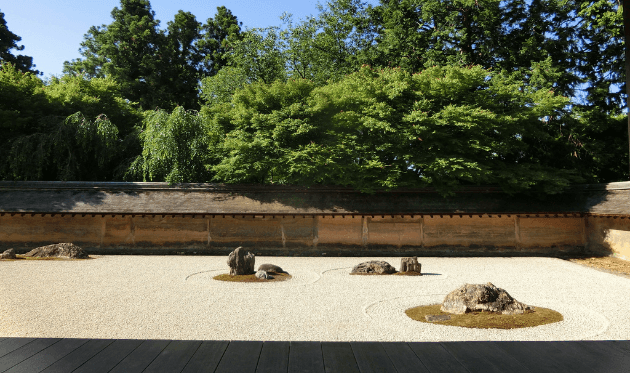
point(241, 262)
point(374, 267)
point(8, 254)
point(60, 250)
point(487, 297)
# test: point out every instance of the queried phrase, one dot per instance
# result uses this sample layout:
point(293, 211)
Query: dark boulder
point(270, 268)
point(241, 262)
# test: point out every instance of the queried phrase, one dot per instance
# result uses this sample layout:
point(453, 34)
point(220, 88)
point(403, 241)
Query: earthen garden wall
point(314, 222)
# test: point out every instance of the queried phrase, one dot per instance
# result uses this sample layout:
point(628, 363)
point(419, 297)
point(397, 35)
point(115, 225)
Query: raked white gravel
point(175, 297)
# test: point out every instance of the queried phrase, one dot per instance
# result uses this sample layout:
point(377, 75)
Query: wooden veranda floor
point(32, 355)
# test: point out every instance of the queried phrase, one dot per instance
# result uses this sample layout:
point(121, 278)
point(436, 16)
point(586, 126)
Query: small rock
point(410, 265)
point(487, 297)
point(241, 262)
point(60, 250)
point(432, 318)
point(375, 266)
point(263, 275)
point(8, 254)
point(270, 268)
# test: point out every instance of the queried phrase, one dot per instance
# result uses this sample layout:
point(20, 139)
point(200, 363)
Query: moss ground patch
point(488, 320)
point(604, 263)
point(277, 277)
point(388, 274)
point(22, 257)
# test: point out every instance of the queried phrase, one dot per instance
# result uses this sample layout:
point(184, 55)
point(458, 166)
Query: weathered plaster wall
point(609, 236)
point(310, 235)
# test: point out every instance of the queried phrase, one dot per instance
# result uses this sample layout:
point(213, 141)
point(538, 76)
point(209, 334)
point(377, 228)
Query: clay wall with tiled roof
point(161, 198)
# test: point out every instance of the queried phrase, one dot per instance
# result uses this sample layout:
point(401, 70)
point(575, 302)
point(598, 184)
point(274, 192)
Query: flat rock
point(8, 254)
point(432, 318)
point(270, 268)
point(375, 267)
point(470, 297)
point(59, 250)
point(263, 275)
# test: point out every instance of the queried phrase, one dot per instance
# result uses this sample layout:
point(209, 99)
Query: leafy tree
point(22, 101)
point(221, 87)
point(174, 148)
point(382, 129)
point(215, 41)
point(259, 54)
point(331, 45)
point(178, 74)
point(92, 97)
point(129, 50)
point(8, 41)
point(73, 149)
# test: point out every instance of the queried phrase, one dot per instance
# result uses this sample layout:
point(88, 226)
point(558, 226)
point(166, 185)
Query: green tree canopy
point(382, 129)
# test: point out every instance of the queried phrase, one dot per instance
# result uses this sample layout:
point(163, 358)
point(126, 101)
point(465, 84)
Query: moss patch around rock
point(487, 320)
point(277, 277)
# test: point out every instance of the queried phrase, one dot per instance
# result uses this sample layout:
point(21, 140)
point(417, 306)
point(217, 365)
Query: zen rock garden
point(242, 263)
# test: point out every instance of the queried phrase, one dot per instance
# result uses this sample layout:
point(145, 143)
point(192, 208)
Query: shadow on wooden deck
point(32, 355)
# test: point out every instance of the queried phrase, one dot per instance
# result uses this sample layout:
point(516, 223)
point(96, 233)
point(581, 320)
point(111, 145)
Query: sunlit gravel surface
point(175, 297)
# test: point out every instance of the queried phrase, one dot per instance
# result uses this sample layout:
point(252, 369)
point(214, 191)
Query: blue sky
point(52, 31)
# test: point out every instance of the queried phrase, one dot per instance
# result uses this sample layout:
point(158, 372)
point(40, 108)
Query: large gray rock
point(59, 250)
point(375, 267)
point(241, 262)
point(410, 265)
point(8, 254)
point(270, 268)
point(482, 298)
point(263, 275)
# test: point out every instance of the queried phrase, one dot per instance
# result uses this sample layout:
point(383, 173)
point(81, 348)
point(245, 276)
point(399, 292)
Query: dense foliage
point(528, 95)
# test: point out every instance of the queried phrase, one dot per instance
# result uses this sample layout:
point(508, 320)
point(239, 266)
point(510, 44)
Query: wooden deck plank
point(533, 355)
point(484, 357)
point(572, 357)
point(436, 358)
point(17, 356)
point(110, 356)
point(403, 358)
point(48, 356)
point(622, 344)
point(607, 360)
point(12, 344)
point(338, 357)
point(306, 357)
point(140, 358)
point(79, 356)
point(371, 357)
point(207, 357)
point(274, 357)
point(615, 347)
point(240, 357)
point(174, 357)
